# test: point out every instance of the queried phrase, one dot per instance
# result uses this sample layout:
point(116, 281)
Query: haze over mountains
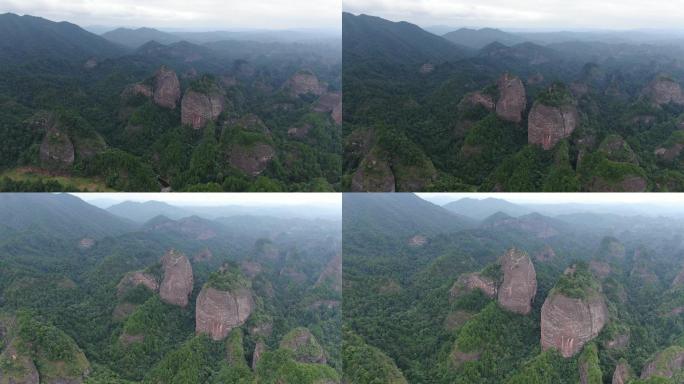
point(491, 110)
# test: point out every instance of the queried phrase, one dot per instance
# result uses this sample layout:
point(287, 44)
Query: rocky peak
point(197, 109)
point(512, 99)
point(574, 312)
point(133, 279)
point(664, 90)
point(622, 374)
point(56, 149)
point(304, 82)
point(166, 88)
point(472, 281)
point(519, 284)
point(177, 283)
point(665, 364)
point(304, 345)
point(225, 302)
point(552, 118)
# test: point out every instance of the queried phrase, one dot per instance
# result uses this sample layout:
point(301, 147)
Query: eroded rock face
point(665, 363)
point(218, 312)
point(471, 281)
point(133, 279)
point(304, 345)
point(373, 175)
point(664, 91)
point(679, 279)
point(259, 350)
point(549, 125)
point(250, 268)
point(23, 363)
point(177, 283)
point(251, 160)
point(305, 82)
point(474, 99)
point(519, 284)
point(166, 88)
point(331, 102)
point(137, 89)
point(545, 254)
point(622, 373)
point(197, 109)
point(600, 269)
point(86, 243)
point(512, 99)
point(203, 255)
point(417, 241)
point(56, 149)
point(567, 324)
point(332, 274)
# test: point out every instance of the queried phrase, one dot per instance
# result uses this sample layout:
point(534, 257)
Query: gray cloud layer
point(188, 14)
point(547, 14)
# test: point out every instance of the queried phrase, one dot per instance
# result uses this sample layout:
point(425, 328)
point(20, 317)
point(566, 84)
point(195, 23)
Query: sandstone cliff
point(665, 364)
point(197, 109)
point(332, 274)
point(133, 279)
point(472, 281)
point(547, 125)
point(304, 345)
point(622, 374)
point(56, 149)
point(373, 175)
point(251, 159)
point(177, 283)
point(664, 90)
point(512, 99)
point(519, 284)
point(166, 88)
point(218, 312)
point(304, 82)
point(574, 312)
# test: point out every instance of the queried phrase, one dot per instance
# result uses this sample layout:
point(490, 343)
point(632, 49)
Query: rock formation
point(56, 149)
point(166, 88)
point(679, 279)
point(304, 345)
point(547, 125)
point(373, 175)
point(622, 373)
point(197, 109)
point(21, 370)
point(331, 102)
point(600, 269)
point(259, 350)
point(137, 89)
point(86, 243)
point(665, 364)
point(203, 255)
point(304, 82)
point(512, 99)
point(177, 283)
point(477, 98)
point(417, 241)
point(218, 312)
point(617, 149)
point(519, 284)
point(568, 323)
point(133, 279)
point(253, 159)
point(471, 281)
point(545, 254)
point(332, 274)
point(664, 90)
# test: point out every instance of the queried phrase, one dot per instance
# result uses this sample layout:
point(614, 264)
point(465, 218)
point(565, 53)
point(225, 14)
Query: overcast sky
point(665, 199)
point(186, 14)
point(221, 199)
point(546, 14)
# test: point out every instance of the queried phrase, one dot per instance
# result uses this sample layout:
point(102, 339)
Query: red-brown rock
point(304, 82)
point(549, 125)
point(567, 324)
point(218, 312)
point(472, 281)
point(512, 99)
point(166, 88)
point(622, 373)
point(133, 279)
point(197, 109)
point(519, 284)
point(177, 283)
point(253, 159)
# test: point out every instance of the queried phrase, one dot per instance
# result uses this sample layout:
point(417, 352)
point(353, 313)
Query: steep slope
point(27, 38)
point(399, 43)
point(59, 214)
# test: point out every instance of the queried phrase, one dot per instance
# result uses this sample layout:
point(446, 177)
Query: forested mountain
point(532, 299)
point(134, 38)
point(173, 301)
point(79, 112)
point(525, 112)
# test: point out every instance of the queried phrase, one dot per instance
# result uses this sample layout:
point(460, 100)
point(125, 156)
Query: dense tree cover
point(127, 142)
point(71, 312)
point(399, 310)
point(467, 147)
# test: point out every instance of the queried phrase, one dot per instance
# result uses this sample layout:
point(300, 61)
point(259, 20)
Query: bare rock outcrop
point(512, 99)
point(304, 82)
point(547, 125)
point(331, 102)
point(472, 281)
point(545, 254)
point(133, 279)
point(679, 279)
point(622, 374)
point(304, 345)
point(86, 243)
point(177, 283)
point(203, 255)
point(600, 269)
point(567, 323)
point(373, 175)
point(665, 364)
point(166, 88)
point(477, 98)
point(197, 109)
point(664, 90)
point(519, 284)
point(252, 159)
point(136, 89)
point(56, 149)
point(22, 369)
point(259, 350)
point(332, 274)
point(218, 312)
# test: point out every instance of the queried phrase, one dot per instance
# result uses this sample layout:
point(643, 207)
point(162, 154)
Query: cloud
point(194, 14)
point(553, 14)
